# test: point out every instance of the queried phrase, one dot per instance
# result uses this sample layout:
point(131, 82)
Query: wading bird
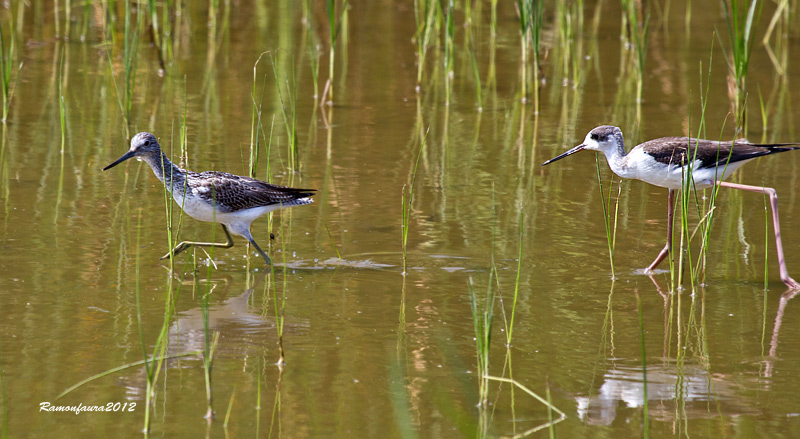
point(213, 196)
point(668, 162)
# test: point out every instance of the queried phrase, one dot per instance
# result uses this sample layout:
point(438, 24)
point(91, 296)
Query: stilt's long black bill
point(570, 152)
point(124, 157)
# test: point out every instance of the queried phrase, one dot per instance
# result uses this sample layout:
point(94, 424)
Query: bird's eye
point(595, 137)
point(146, 143)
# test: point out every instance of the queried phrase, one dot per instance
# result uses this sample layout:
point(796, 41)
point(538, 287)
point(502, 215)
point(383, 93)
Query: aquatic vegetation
point(477, 76)
point(334, 29)
point(742, 19)
point(7, 59)
point(287, 94)
point(482, 320)
point(635, 25)
point(611, 231)
point(449, 49)
point(425, 16)
point(531, 18)
point(405, 204)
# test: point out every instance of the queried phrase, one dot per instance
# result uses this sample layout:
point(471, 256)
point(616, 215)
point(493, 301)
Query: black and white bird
point(669, 161)
point(212, 196)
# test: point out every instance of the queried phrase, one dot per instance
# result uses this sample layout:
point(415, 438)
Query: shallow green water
point(370, 352)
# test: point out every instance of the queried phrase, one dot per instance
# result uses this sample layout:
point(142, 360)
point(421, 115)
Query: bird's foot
point(791, 283)
point(178, 248)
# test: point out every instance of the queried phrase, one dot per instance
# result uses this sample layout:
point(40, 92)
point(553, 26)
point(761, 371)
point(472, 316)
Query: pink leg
point(670, 217)
point(773, 200)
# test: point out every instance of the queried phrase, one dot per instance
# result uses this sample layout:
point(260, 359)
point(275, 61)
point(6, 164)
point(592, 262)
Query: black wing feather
point(711, 153)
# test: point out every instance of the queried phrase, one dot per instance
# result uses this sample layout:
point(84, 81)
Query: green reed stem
point(406, 203)
point(230, 408)
point(536, 25)
point(742, 19)
point(147, 367)
point(313, 56)
point(255, 118)
point(62, 111)
point(706, 215)
point(280, 304)
point(610, 238)
point(636, 22)
point(121, 368)
point(158, 40)
point(482, 319)
point(130, 56)
point(531, 16)
point(56, 15)
point(766, 242)
point(4, 409)
point(119, 95)
point(333, 243)
point(477, 76)
point(334, 27)
point(425, 16)
point(449, 47)
point(289, 113)
point(510, 329)
point(6, 62)
point(67, 18)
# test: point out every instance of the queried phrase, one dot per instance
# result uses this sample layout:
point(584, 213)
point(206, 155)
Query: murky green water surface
point(370, 352)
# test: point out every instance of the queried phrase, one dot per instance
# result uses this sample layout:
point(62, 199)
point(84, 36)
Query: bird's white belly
point(200, 209)
point(238, 222)
point(195, 207)
point(673, 176)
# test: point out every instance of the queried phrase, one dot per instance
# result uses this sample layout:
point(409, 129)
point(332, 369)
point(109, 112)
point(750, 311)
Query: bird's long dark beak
point(124, 157)
point(570, 152)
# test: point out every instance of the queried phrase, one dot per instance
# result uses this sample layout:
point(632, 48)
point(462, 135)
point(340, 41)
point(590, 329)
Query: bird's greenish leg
point(261, 252)
point(186, 244)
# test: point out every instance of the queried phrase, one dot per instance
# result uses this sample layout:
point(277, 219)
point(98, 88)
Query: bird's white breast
point(642, 166)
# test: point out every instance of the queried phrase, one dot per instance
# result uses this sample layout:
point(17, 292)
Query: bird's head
point(142, 144)
point(605, 138)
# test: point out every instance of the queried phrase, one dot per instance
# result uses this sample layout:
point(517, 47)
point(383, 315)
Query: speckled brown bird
point(212, 196)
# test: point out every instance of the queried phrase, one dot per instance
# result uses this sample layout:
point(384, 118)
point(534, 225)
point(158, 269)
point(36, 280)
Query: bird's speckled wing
point(710, 153)
point(233, 192)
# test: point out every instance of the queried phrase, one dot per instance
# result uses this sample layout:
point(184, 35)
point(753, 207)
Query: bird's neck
point(166, 171)
point(617, 159)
